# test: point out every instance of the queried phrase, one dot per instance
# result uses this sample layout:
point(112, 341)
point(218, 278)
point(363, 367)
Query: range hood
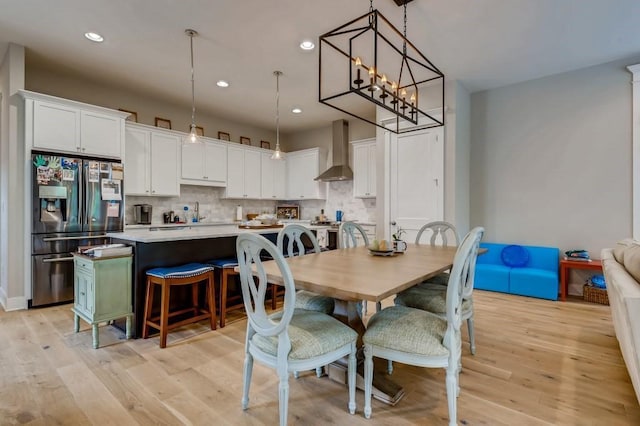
point(340, 145)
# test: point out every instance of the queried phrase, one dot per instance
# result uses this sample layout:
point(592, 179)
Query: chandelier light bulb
point(358, 61)
point(413, 98)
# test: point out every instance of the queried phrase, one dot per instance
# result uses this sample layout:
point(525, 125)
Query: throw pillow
point(618, 253)
point(515, 256)
point(632, 261)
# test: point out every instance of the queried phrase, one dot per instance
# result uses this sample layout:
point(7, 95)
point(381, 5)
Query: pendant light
point(277, 154)
point(193, 135)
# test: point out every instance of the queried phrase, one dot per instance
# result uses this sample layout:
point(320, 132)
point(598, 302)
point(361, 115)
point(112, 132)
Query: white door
point(415, 182)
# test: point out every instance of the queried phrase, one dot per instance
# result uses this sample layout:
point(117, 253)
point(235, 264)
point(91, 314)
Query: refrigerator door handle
point(81, 187)
point(86, 237)
point(59, 259)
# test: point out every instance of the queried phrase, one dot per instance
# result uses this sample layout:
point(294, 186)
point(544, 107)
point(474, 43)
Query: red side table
point(565, 265)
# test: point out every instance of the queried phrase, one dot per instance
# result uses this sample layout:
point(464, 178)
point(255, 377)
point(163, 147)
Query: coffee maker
point(142, 214)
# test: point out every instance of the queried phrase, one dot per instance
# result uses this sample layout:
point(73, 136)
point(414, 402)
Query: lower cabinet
point(102, 291)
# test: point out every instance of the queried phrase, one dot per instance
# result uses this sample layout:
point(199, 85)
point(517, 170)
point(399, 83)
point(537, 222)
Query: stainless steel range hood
point(340, 169)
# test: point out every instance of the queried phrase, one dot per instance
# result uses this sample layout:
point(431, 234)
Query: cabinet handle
point(60, 259)
point(147, 191)
point(81, 294)
point(86, 237)
point(153, 192)
point(84, 149)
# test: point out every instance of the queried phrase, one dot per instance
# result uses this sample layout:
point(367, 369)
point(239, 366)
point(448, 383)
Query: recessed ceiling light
point(307, 45)
point(94, 37)
point(222, 83)
point(296, 110)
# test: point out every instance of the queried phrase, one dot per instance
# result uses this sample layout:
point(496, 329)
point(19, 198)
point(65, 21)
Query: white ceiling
point(483, 43)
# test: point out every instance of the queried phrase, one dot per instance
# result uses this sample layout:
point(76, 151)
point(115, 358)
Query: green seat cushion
point(430, 297)
point(314, 302)
point(407, 330)
point(311, 334)
point(442, 278)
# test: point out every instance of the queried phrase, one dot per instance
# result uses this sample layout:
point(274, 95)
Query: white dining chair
point(420, 338)
point(348, 237)
point(431, 294)
point(290, 242)
point(292, 339)
point(439, 233)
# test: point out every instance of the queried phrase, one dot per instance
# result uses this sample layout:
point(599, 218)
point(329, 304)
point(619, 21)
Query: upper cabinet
point(302, 168)
point(152, 162)
point(70, 127)
point(243, 172)
point(204, 163)
point(274, 177)
point(364, 168)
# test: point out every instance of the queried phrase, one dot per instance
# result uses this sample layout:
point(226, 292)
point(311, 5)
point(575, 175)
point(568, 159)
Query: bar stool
point(189, 274)
point(225, 269)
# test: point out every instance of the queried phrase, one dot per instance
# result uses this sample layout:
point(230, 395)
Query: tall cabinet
point(364, 168)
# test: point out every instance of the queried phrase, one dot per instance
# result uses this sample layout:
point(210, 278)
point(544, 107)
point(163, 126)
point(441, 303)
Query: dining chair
point(423, 339)
point(439, 233)
point(348, 237)
point(292, 339)
point(431, 295)
point(290, 243)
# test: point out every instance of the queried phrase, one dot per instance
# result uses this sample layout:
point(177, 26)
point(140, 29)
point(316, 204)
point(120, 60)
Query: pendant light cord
point(191, 34)
point(277, 74)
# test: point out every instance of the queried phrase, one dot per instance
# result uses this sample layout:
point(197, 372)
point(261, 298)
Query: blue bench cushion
point(182, 271)
point(492, 277)
point(229, 262)
point(534, 282)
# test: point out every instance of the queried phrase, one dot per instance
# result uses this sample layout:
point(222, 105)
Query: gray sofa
point(621, 266)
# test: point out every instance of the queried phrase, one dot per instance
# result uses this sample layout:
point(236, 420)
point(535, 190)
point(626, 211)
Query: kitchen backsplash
point(215, 208)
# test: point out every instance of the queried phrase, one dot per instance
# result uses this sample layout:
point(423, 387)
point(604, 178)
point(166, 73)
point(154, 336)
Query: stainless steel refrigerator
point(75, 202)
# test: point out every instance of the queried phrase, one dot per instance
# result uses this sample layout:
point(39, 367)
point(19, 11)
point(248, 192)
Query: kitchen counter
point(154, 234)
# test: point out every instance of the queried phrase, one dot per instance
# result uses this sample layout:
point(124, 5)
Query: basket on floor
point(595, 295)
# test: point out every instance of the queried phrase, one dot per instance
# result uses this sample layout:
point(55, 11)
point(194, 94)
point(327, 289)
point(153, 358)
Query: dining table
point(353, 275)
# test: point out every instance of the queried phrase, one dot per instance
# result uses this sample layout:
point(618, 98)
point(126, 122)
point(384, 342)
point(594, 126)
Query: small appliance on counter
point(142, 214)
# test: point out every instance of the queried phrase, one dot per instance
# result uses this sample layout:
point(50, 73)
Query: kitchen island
point(164, 246)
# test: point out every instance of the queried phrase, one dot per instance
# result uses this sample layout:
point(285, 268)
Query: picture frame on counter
point(224, 136)
point(265, 145)
point(245, 140)
point(163, 123)
point(133, 116)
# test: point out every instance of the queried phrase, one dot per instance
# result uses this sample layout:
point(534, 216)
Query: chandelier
point(193, 135)
point(277, 154)
point(368, 62)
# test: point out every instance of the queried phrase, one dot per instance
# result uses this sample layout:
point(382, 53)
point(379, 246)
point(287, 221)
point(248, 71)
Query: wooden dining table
point(352, 275)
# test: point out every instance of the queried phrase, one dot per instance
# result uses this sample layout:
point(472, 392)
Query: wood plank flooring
point(538, 363)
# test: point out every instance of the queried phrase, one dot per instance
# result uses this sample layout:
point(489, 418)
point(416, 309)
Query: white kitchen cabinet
point(364, 168)
point(274, 177)
point(204, 163)
point(152, 160)
point(243, 172)
point(70, 127)
point(302, 168)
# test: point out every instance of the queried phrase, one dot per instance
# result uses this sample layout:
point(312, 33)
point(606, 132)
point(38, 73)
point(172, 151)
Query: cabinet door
point(215, 160)
point(268, 167)
point(235, 173)
point(307, 171)
point(81, 281)
point(252, 174)
point(137, 159)
point(56, 127)
point(295, 171)
point(279, 179)
point(193, 161)
point(360, 171)
point(164, 164)
point(100, 134)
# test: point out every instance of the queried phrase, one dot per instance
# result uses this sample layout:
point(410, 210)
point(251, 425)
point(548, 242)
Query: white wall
point(12, 216)
point(551, 160)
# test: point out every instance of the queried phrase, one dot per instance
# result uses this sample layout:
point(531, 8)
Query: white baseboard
point(13, 303)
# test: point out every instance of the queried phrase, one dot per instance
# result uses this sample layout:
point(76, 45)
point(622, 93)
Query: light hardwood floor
point(537, 363)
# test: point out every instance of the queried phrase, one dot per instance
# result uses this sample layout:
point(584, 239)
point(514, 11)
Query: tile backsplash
point(215, 208)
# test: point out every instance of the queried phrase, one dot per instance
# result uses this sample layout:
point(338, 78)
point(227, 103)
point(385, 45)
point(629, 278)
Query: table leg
point(384, 389)
point(563, 282)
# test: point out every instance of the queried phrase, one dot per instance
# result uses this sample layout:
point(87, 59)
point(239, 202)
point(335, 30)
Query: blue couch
point(538, 278)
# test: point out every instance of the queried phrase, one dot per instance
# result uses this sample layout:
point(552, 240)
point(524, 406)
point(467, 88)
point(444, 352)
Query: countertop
point(160, 233)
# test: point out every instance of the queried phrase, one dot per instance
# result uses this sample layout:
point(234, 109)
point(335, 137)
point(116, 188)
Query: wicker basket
point(595, 295)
